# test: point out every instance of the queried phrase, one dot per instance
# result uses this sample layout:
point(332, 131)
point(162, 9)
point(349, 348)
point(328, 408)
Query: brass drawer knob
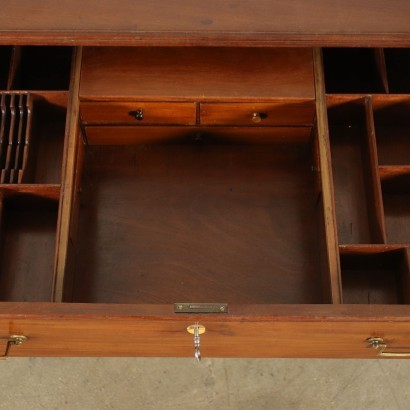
point(380, 345)
point(257, 117)
point(14, 340)
point(196, 330)
point(137, 114)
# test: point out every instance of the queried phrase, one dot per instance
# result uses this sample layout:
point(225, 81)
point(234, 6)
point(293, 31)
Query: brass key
point(196, 330)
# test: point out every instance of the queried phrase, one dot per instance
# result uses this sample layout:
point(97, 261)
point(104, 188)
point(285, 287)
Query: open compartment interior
point(40, 68)
point(375, 275)
point(45, 155)
point(27, 246)
point(392, 126)
point(5, 60)
point(354, 166)
point(354, 70)
point(398, 69)
point(199, 214)
point(396, 203)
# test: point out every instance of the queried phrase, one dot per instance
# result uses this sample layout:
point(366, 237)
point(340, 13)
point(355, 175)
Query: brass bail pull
point(13, 340)
point(196, 330)
point(381, 347)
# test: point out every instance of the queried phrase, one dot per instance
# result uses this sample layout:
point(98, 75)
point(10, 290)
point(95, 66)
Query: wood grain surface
point(206, 218)
point(196, 74)
point(317, 22)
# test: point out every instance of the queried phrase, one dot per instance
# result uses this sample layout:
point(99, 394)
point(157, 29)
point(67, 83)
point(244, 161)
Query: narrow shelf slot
point(41, 68)
point(398, 69)
point(375, 275)
point(27, 246)
point(354, 70)
point(358, 201)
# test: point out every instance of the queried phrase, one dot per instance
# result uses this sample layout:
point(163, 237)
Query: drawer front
point(258, 114)
point(138, 113)
point(154, 330)
point(106, 336)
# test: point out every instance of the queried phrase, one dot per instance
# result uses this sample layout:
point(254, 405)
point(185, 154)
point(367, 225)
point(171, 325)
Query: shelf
point(46, 191)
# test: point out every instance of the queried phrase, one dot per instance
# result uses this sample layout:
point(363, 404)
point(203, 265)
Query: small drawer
point(259, 114)
point(138, 113)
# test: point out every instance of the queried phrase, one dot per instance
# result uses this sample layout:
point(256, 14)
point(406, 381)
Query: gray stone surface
point(139, 383)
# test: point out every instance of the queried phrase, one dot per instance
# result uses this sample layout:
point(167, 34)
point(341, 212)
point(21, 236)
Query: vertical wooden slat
point(4, 126)
point(27, 138)
point(381, 68)
point(18, 158)
point(68, 180)
point(5, 173)
point(327, 180)
point(14, 67)
point(375, 202)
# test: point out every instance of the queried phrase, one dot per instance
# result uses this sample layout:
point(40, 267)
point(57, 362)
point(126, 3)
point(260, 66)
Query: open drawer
point(296, 232)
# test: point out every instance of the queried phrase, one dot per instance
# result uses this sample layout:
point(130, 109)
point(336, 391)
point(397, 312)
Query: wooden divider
point(333, 262)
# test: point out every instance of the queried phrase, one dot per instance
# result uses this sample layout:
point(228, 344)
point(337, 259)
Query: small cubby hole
point(27, 247)
point(45, 156)
point(398, 70)
point(357, 199)
point(354, 70)
point(376, 276)
point(396, 204)
point(392, 127)
point(40, 68)
point(5, 60)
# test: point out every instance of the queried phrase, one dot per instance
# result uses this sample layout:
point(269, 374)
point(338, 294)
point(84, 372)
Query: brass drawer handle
point(196, 330)
point(13, 340)
point(380, 345)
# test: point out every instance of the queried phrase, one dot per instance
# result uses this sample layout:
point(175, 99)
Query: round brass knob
point(256, 117)
point(139, 115)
